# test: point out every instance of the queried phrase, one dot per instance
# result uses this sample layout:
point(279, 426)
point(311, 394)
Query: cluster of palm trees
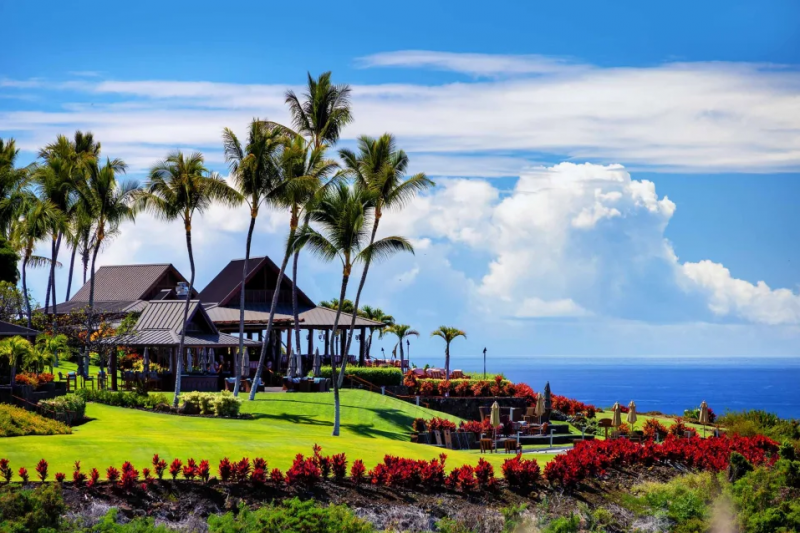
point(334, 207)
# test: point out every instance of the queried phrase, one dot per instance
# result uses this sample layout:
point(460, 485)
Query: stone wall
point(469, 408)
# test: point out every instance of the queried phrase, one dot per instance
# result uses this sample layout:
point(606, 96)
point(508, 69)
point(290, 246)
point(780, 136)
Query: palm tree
point(15, 349)
point(343, 213)
point(50, 346)
point(321, 116)
point(79, 237)
point(255, 171)
point(12, 182)
point(403, 332)
point(380, 168)
point(179, 187)
point(376, 314)
point(38, 218)
point(449, 334)
point(347, 305)
point(303, 172)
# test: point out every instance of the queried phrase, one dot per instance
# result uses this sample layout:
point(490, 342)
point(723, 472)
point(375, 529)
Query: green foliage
point(738, 466)
point(512, 516)
point(571, 524)
point(123, 399)
point(11, 302)
point(685, 500)
point(16, 422)
point(377, 376)
point(757, 422)
point(72, 406)
point(209, 403)
point(8, 263)
point(22, 511)
point(787, 451)
point(448, 525)
point(768, 499)
point(110, 524)
point(292, 516)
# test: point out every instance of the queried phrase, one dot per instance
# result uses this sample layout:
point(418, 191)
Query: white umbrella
point(631, 418)
point(299, 364)
point(539, 409)
point(146, 360)
point(188, 359)
point(245, 363)
point(616, 415)
point(317, 364)
point(703, 419)
point(291, 368)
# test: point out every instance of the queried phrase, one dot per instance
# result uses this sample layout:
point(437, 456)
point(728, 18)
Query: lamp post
point(408, 345)
point(484, 364)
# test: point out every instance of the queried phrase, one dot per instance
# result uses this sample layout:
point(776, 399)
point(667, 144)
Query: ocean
point(666, 384)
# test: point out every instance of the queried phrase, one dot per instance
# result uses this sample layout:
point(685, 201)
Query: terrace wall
point(469, 408)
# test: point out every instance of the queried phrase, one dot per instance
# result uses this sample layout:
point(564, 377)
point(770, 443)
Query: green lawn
point(641, 419)
point(284, 425)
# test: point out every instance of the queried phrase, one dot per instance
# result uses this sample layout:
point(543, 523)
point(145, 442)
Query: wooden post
point(113, 369)
point(362, 347)
point(327, 342)
point(289, 342)
point(311, 344)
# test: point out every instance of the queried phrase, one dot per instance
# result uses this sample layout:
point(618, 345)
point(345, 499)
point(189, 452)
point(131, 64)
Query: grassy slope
point(284, 425)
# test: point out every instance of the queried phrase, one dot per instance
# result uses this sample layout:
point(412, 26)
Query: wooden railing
point(376, 388)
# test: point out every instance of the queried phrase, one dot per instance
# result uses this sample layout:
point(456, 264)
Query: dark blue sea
point(666, 384)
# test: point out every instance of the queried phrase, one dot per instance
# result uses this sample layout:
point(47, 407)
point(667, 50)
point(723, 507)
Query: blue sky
point(613, 179)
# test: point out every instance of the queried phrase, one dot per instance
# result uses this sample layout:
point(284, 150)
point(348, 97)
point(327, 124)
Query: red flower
point(303, 472)
point(175, 468)
point(357, 471)
point(276, 476)
point(112, 474)
point(23, 473)
point(225, 469)
point(339, 465)
point(5, 470)
point(41, 469)
point(60, 477)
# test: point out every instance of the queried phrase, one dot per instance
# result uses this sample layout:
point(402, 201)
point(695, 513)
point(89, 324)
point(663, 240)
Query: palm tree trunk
point(71, 271)
point(358, 298)
point(237, 371)
point(273, 307)
point(336, 384)
point(295, 311)
point(85, 259)
point(185, 317)
point(402, 355)
point(447, 361)
point(50, 277)
point(25, 293)
point(53, 274)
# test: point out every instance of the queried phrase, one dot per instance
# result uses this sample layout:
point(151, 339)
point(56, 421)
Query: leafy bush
point(292, 515)
point(198, 402)
point(123, 399)
point(756, 422)
point(440, 424)
point(738, 466)
point(521, 474)
point(226, 405)
point(223, 404)
point(655, 430)
point(31, 510)
point(16, 422)
point(357, 471)
point(304, 472)
point(767, 499)
point(71, 406)
point(388, 377)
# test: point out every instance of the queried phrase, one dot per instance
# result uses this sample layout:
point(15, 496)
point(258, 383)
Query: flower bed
point(594, 458)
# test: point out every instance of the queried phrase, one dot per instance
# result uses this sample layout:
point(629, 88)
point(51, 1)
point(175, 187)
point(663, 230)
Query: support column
point(327, 342)
point(288, 343)
point(310, 343)
point(343, 343)
point(362, 347)
point(113, 369)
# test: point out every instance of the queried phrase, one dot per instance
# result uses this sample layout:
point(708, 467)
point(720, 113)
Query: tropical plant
point(402, 332)
point(449, 334)
point(12, 181)
point(343, 213)
point(255, 172)
point(380, 168)
point(16, 350)
point(179, 187)
point(376, 314)
point(303, 172)
point(50, 346)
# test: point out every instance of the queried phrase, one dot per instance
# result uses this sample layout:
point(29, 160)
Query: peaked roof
point(125, 283)
point(167, 315)
point(226, 284)
point(7, 329)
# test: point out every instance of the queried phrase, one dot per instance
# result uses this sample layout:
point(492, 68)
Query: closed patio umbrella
point(494, 418)
point(704, 416)
point(188, 359)
point(616, 415)
point(316, 363)
point(246, 364)
point(299, 365)
point(292, 365)
point(631, 418)
point(538, 410)
point(146, 360)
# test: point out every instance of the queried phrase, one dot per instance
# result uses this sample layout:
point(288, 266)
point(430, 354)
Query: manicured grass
point(283, 426)
point(15, 421)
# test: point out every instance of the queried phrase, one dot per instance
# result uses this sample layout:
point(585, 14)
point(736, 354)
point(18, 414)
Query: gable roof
point(7, 329)
point(125, 283)
point(167, 315)
point(226, 284)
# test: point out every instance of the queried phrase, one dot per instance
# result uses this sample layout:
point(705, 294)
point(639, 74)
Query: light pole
point(484, 364)
point(408, 345)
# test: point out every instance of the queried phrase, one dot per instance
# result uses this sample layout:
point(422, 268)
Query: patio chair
point(448, 439)
point(438, 436)
point(487, 445)
point(456, 374)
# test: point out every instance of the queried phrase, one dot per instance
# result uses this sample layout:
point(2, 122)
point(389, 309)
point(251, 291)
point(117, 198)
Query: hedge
point(71, 406)
point(16, 422)
point(388, 377)
point(123, 399)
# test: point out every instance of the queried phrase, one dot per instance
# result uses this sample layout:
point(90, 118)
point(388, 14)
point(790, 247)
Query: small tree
point(15, 349)
point(449, 334)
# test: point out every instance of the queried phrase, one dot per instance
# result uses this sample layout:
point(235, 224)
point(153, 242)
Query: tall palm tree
point(12, 183)
point(347, 305)
point(62, 173)
point(449, 334)
point(343, 213)
point(37, 219)
point(380, 167)
point(79, 238)
point(15, 349)
point(376, 314)
point(402, 332)
point(321, 115)
point(50, 346)
point(179, 187)
point(303, 173)
point(255, 171)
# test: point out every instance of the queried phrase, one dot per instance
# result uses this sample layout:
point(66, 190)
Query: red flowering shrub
point(60, 477)
point(444, 387)
point(451, 481)
point(23, 474)
point(568, 406)
point(624, 429)
point(653, 429)
point(679, 429)
point(477, 427)
point(78, 477)
point(190, 469)
point(112, 474)
point(427, 388)
point(523, 390)
point(432, 475)
point(241, 470)
point(225, 469)
point(484, 473)
point(94, 477)
point(276, 476)
point(204, 470)
point(481, 388)
point(175, 468)
point(521, 474)
point(462, 388)
point(258, 476)
point(590, 412)
point(594, 458)
point(339, 466)
point(41, 470)
point(498, 388)
point(357, 471)
point(129, 478)
point(260, 462)
point(323, 462)
point(466, 479)
point(410, 381)
point(5, 470)
point(147, 475)
point(160, 468)
point(303, 472)
point(440, 424)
